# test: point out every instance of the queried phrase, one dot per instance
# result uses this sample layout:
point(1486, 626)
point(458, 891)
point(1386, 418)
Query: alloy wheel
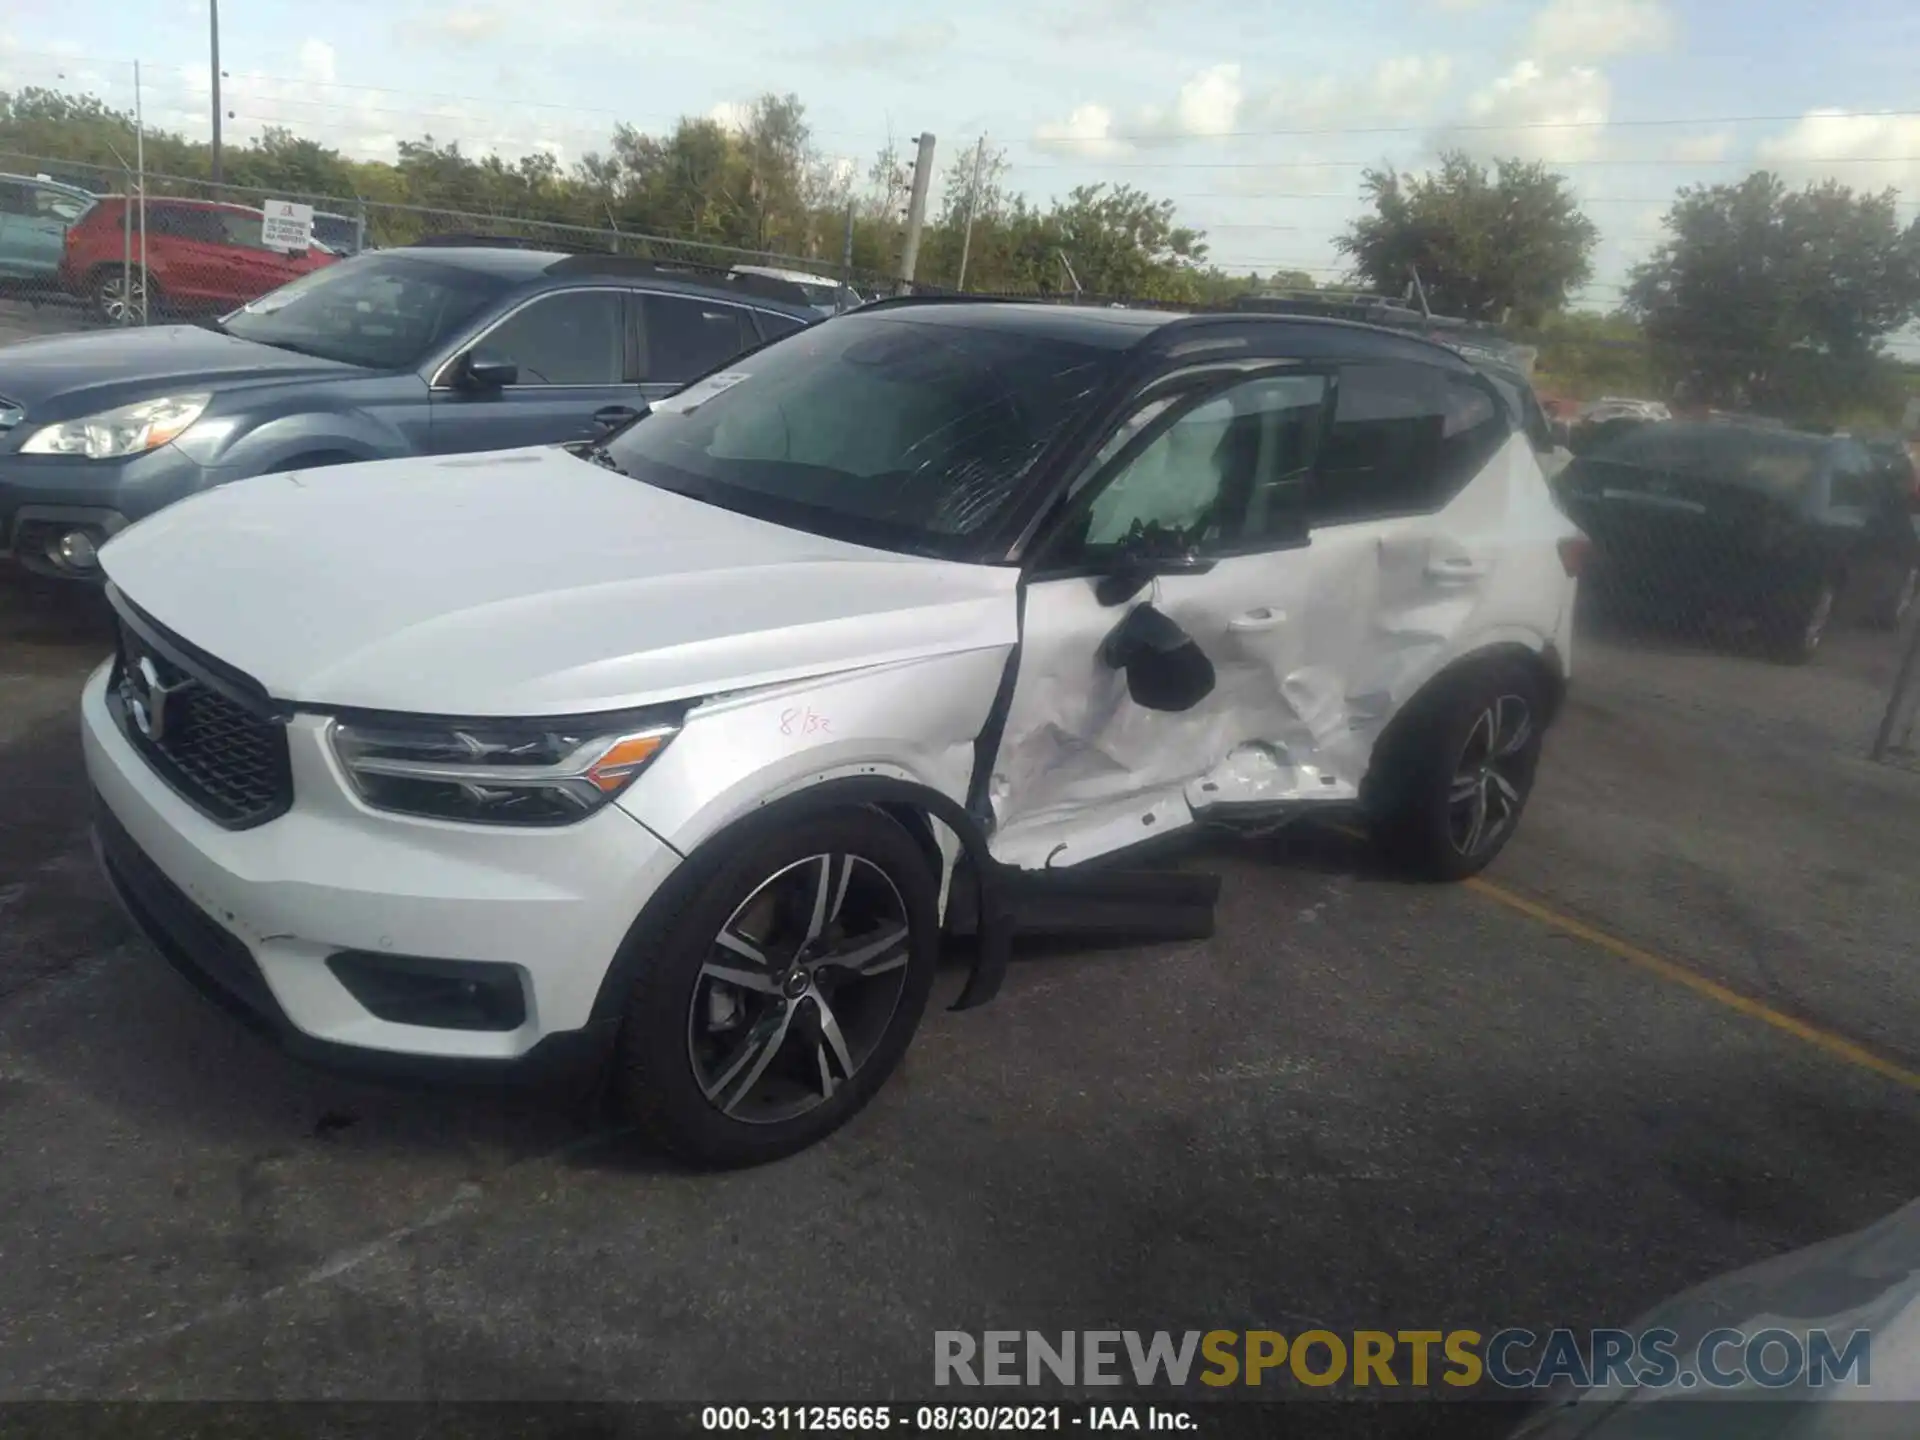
point(112, 295)
point(1488, 780)
point(798, 988)
point(1817, 619)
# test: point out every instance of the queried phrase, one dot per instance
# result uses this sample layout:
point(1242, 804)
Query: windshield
point(1779, 463)
point(386, 312)
point(874, 429)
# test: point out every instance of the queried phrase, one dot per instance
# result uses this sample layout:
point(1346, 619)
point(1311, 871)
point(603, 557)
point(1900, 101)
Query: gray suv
point(412, 351)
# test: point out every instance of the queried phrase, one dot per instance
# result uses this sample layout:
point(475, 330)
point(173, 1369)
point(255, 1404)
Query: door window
point(185, 222)
point(241, 228)
point(577, 337)
point(684, 338)
point(1405, 438)
point(15, 198)
point(1224, 477)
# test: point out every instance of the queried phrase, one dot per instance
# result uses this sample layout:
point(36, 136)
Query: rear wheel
point(123, 297)
point(1893, 612)
point(1799, 626)
point(785, 991)
point(1447, 793)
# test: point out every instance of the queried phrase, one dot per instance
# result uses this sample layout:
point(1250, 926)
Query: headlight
point(129, 430)
point(499, 772)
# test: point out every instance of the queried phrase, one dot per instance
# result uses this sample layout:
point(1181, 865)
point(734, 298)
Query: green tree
point(1510, 243)
point(1776, 299)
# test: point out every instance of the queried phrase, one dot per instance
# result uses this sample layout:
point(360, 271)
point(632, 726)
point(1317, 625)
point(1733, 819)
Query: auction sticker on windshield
point(699, 392)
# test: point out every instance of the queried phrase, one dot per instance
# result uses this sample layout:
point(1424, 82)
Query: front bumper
point(44, 496)
point(252, 916)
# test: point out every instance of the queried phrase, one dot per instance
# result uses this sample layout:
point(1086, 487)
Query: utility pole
point(916, 209)
point(846, 248)
point(213, 23)
point(973, 204)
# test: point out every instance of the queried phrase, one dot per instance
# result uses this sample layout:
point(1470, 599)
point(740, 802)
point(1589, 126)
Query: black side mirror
point(1165, 668)
point(488, 370)
point(1134, 569)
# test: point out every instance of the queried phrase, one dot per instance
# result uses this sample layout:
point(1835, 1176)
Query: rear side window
point(185, 222)
point(682, 338)
point(239, 228)
point(1405, 438)
point(773, 326)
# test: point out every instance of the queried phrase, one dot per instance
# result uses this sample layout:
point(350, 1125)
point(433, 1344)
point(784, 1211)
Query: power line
point(1369, 164)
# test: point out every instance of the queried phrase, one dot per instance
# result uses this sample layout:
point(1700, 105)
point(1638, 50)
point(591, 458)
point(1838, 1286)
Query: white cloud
point(909, 45)
point(472, 26)
point(1538, 114)
point(316, 62)
point(731, 115)
point(1868, 152)
point(1208, 104)
point(1594, 30)
point(1405, 86)
point(1086, 134)
point(1702, 149)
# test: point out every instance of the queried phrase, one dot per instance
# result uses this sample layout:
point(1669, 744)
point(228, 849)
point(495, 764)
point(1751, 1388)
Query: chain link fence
point(85, 245)
point(1762, 574)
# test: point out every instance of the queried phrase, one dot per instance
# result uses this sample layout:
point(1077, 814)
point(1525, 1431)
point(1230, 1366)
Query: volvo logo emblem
point(147, 697)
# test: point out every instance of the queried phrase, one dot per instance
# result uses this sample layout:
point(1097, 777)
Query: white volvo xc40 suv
point(674, 757)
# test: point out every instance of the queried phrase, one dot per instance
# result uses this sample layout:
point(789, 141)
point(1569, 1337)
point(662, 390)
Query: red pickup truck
point(200, 256)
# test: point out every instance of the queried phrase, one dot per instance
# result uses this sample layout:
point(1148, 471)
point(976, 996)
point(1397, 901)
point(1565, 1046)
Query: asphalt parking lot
point(1672, 1032)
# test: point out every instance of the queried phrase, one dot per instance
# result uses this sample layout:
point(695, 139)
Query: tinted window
point(1779, 462)
point(773, 326)
point(58, 205)
point(1405, 438)
point(15, 198)
point(184, 222)
point(1854, 482)
point(877, 429)
point(684, 338)
point(386, 312)
point(238, 227)
point(577, 337)
point(1224, 476)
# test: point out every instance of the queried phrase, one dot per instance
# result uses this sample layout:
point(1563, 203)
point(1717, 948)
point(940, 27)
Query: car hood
point(56, 377)
point(528, 582)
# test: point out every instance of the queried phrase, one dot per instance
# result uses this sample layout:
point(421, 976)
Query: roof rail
point(484, 242)
point(600, 262)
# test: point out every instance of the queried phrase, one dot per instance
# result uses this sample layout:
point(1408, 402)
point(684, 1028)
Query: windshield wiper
point(597, 452)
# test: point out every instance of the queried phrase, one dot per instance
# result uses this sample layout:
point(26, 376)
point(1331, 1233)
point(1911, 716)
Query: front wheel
point(123, 297)
point(784, 992)
point(1451, 781)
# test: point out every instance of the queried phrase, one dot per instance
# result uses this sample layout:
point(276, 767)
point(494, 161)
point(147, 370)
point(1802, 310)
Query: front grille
point(224, 757)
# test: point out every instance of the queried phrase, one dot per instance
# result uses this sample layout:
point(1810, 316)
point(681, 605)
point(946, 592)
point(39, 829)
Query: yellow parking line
point(1837, 1046)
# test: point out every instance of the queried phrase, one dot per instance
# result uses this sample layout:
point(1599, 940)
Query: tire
point(689, 1072)
point(1467, 747)
point(1795, 632)
point(1892, 612)
point(105, 289)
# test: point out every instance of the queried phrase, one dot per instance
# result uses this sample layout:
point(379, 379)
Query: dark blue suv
point(412, 351)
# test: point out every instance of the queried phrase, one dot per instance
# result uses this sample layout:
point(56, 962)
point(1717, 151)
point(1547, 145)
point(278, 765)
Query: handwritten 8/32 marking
point(804, 720)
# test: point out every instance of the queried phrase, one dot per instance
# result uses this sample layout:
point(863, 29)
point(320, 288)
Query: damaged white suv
point(666, 756)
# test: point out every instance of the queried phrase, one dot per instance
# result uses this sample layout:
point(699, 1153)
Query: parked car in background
point(1612, 407)
point(1895, 456)
point(1775, 527)
point(829, 297)
point(198, 257)
point(342, 234)
point(662, 758)
point(394, 352)
point(1546, 436)
point(35, 215)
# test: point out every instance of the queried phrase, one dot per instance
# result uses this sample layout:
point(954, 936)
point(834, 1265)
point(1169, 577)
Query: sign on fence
point(288, 226)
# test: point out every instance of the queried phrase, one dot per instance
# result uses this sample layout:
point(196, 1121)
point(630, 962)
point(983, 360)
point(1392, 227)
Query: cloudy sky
point(1256, 118)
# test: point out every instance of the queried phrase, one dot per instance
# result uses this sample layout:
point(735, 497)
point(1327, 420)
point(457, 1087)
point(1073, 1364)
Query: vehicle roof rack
point(601, 262)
